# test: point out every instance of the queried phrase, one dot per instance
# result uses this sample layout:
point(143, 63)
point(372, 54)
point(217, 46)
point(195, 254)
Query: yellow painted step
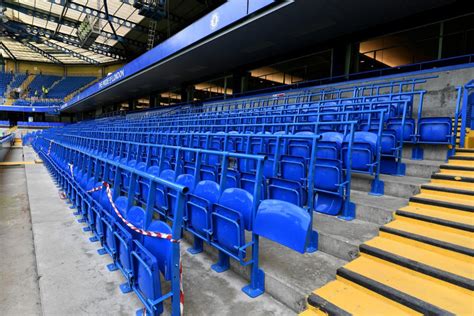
point(467, 163)
point(462, 173)
point(465, 198)
point(358, 300)
point(450, 184)
point(313, 312)
point(439, 197)
point(434, 231)
point(461, 184)
point(445, 260)
point(428, 289)
point(443, 213)
point(466, 154)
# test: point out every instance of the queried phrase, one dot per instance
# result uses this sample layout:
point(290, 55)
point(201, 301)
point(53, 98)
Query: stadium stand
point(18, 79)
point(5, 79)
point(39, 82)
point(243, 158)
point(246, 164)
point(68, 85)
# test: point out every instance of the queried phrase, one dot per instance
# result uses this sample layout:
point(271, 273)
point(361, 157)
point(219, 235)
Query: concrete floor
point(19, 290)
point(71, 278)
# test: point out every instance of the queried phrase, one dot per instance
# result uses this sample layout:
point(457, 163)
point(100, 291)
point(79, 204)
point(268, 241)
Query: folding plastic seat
point(329, 146)
point(247, 182)
point(437, 130)
point(147, 259)
point(301, 147)
point(199, 207)
point(363, 151)
point(290, 186)
point(124, 240)
point(391, 109)
point(327, 184)
point(408, 99)
point(408, 128)
point(233, 179)
point(366, 126)
point(388, 143)
point(232, 215)
point(208, 172)
point(284, 223)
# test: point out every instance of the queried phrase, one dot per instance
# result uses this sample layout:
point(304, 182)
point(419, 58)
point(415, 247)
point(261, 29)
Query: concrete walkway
point(19, 291)
point(73, 279)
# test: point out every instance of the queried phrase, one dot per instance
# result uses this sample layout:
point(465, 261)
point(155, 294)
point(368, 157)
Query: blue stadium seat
point(284, 223)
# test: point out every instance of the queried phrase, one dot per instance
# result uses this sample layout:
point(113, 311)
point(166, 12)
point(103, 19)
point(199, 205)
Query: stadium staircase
point(24, 86)
point(421, 262)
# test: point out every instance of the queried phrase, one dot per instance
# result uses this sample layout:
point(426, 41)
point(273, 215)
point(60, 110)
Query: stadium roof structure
point(47, 30)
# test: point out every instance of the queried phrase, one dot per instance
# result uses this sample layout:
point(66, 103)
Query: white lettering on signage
point(111, 79)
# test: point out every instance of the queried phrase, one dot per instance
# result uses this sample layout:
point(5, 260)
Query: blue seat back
point(284, 223)
point(435, 129)
point(408, 129)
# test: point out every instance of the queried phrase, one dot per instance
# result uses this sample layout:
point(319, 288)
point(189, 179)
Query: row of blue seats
point(5, 79)
point(140, 258)
point(68, 85)
point(286, 168)
point(394, 89)
point(227, 211)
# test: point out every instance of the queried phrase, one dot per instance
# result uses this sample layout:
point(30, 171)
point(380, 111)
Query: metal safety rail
point(222, 212)
point(58, 157)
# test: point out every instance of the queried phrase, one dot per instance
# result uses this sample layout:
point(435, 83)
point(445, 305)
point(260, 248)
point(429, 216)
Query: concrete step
point(403, 187)
point(431, 152)
point(342, 238)
point(421, 168)
point(376, 209)
point(289, 276)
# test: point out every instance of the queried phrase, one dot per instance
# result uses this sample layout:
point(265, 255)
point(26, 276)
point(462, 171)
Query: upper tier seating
point(67, 85)
point(5, 79)
point(40, 81)
point(18, 80)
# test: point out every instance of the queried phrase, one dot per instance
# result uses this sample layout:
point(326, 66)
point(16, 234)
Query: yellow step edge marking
point(441, 261)
point(313, 312)
point(467, 199)
point(443, 213)
point(431, 290)
point(466, 163)
point(462, 173)
point(358, 300)
point(434, 231)
point(422, 245)
point(451, 185)
point(440, 197)
point(466, 185)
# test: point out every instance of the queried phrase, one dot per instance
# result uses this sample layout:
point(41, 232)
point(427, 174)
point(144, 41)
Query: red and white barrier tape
point(95, 189)
point(150, 234)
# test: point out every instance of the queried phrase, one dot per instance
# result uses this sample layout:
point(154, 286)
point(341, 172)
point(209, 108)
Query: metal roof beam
point(25, 39)
point(103, 15)
point(8, 51)
point(71, 53)
point(108, 51)
point(170, 16)
point(41, 52)
point(30, 11)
